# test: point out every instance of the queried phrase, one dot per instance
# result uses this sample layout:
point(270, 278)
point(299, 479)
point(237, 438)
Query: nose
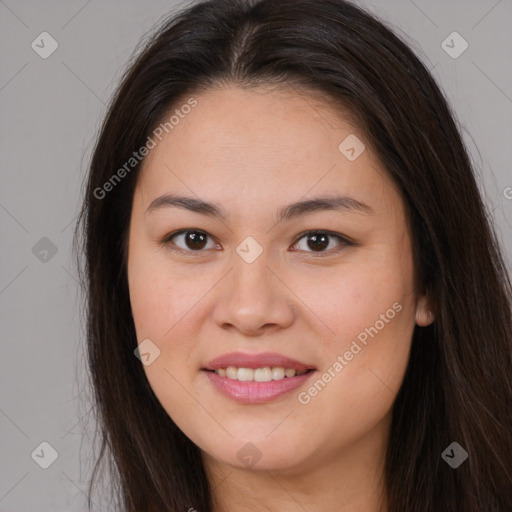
point(253, 299)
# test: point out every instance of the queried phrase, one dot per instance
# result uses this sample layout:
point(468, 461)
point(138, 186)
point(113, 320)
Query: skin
point(253, 152)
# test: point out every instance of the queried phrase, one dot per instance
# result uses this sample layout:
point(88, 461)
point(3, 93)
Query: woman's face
point(254, 282)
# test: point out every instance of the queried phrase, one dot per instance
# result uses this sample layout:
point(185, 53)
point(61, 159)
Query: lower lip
point(251, 392)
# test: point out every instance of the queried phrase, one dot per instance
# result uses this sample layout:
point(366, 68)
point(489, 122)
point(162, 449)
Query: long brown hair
point(457, 387)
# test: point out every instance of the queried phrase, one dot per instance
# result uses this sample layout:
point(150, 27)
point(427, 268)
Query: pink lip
point(243, 360)
point(251, 392)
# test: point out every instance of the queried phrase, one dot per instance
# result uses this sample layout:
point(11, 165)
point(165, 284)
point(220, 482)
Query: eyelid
point(344, 240)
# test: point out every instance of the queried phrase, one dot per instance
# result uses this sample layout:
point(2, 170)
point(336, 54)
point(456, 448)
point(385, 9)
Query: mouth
point(263, 374)
point(256, 378)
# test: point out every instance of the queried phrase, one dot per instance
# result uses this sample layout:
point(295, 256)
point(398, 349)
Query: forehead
point(260, 143)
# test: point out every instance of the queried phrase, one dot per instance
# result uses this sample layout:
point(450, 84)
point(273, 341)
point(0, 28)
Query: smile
point(252, 391)
point(265, 374)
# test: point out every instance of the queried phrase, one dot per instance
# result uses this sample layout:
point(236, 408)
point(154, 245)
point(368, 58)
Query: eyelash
point(344, 241)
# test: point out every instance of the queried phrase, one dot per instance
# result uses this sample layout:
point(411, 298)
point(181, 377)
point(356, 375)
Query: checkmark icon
point(454, 455)
point(44, 45)
point(249, 455)
point(44, 455)
point(249, 249)
point(147, 352)
point(454, 45)
point(450, 454)
point(44, 250)
point(351, 147)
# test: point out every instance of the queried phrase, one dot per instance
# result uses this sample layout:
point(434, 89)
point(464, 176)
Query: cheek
point(148, 297)
point(162, 307)
point(371, 309)
point(160, 296)
point(168, 307)
point(357, 296)
point(357, 387)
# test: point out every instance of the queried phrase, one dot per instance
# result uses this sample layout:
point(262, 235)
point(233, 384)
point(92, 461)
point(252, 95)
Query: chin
point(261, 455)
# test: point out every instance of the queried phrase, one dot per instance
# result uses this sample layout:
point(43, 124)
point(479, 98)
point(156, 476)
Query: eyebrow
point(338, 203)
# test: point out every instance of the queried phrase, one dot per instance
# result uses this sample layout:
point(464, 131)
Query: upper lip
point(244, 360)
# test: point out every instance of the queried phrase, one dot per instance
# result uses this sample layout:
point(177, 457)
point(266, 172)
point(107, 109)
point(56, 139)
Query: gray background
point(50, 112)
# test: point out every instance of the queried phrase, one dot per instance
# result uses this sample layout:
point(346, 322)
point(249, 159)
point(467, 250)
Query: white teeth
point(278, 373)
point(245, 374)
point(231, 372)
point(265, 374)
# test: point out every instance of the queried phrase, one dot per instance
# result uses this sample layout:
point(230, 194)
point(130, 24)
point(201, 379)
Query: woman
point(295, 298)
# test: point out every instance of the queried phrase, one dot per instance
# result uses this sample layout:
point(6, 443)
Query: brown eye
point(319, 241)
point(190, 240)
point(195, 240)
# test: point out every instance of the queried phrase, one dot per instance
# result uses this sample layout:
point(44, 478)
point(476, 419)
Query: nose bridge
point(251, 274)
point(252, 296)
